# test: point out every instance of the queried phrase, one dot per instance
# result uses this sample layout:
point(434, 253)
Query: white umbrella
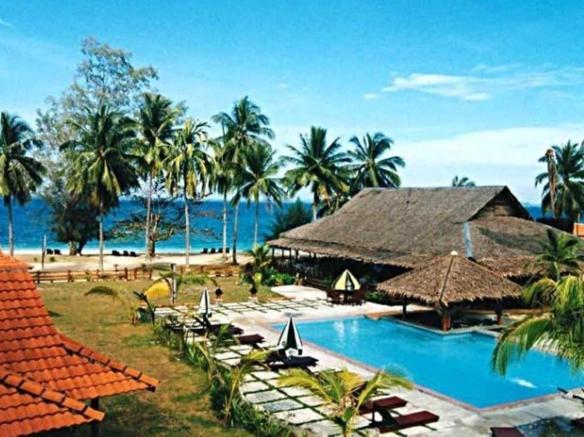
point(290, 338)
point(205, 304)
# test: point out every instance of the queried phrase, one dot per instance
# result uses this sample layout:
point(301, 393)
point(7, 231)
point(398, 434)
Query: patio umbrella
point(205, 304)
point(290, 338)
point(346, 282)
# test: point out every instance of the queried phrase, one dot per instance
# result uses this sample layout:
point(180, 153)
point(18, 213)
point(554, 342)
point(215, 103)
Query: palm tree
point(560, 329)
point(156, 118)
point(371, 168)
point(259, 178)
point(552, 175)
point(462, 181)
point(20, 175)
point(221, 175)
point(568, 195)
point(343, 391)
point(188, 166)
point(560, 254)
point(243, 127)
point(317, 165)
point(102, 160)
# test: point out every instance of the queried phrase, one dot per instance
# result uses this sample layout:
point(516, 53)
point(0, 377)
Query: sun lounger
point(381, 405)
point(132, 253)
point(205, 250)
point(571, 395)
point(251, 340)
point(115, 253)
point(126, 253)
point(57, 251)
point(214, 328)
point(408, 421)
point(302, 362)
point(49, 251)
point(579, 423)
point(506, 431)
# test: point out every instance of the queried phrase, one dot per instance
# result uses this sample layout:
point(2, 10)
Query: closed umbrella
point(290, 338)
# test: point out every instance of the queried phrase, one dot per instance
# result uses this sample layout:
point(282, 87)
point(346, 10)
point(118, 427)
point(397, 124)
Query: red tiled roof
point(31, 347)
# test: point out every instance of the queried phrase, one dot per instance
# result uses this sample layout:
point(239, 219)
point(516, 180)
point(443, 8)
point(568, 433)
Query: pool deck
point(297, 407)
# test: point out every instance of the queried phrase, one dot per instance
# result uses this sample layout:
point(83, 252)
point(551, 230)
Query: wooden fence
point(129, 274)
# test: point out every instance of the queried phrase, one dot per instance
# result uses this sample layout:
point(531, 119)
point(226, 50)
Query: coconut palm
point(188, 166)
point(560, 253)
point(259, 178)
point(221, 175)
point(343, 391)
point(102, 160)
point(156, 118)
point(568, 181)
point(550, 159)
point(317, 165)
point(20, 175)
point(243, 127)
point(462, 181)
point(371, 168)
point(561, 328)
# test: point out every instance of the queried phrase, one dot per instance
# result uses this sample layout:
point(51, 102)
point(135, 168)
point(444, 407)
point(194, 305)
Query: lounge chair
point(115, 253)
point(49, 251)
point(578, 423)
point(506, 431)
point(300, 362)
point(205, 250)
point(398, 423)
point(57, 251)
point(227, 250)
point(132, 253)
point(214, 328)
point(382, 406)
point(250, 340)
point(212, 250)
point(571, 395)
point(126, 253)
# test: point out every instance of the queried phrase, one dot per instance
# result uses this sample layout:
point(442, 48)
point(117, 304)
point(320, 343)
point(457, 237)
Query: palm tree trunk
point(257, 223)
point(101, 242)
point(235, 225)
point(225, 226)
point(551, 168)
point(187, 231)
point(10, 226)
point(314, 207)
point(148, 213)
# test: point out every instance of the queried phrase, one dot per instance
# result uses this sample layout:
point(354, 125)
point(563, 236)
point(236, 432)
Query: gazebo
point(447, 282)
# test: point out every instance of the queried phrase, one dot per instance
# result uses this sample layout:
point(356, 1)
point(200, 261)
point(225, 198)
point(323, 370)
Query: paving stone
point(282, 405)
point(264, 396)
point(250, 387)
point(311, 401)
point(323, 427)
point(226, 356)
point(296, 391)
point(232, 361)
point(265, 375)
point(298, 417)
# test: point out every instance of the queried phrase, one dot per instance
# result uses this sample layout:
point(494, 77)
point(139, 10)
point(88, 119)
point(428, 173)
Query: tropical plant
point(222, 176)
point(289, 217)
point(156, 119)
point(345, 392)
point(371, 168)
point(243, 127)
point(102, 161)
point(561, 328)
point(568, 196)
point(20, 174)
point(188, 166)
point(559, 254)
point(202, 353)
point(259, 178)
point(317, 165)
point(462, 181)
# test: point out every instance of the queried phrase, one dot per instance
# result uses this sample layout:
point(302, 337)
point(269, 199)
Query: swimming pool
point(455, 365)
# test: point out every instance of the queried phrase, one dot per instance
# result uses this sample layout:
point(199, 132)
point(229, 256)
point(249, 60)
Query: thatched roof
point(409, 226)
point(450, 279)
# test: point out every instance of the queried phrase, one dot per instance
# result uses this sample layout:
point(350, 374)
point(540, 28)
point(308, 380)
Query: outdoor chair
point(205, 250)
point(212, 250)
point(57, 251)
point(300, 362)
point(335, 297)
point(214, 328)
point(49, 251)
point(126, 253)
point(382, 406)
point(115, 253)
point(506, 432)
point(397, 423)
point(132, 253)
point(252, 340)
point(355, 298)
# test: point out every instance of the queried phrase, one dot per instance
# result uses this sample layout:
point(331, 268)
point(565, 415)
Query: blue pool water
point(455, 365)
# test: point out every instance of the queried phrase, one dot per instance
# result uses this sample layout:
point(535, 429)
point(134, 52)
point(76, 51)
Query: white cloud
point(5, 23)
point(283, 85)
point(486, 81)
point(370, 96)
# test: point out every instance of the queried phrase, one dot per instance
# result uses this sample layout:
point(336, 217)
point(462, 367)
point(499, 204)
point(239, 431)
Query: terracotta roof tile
point(44, 375)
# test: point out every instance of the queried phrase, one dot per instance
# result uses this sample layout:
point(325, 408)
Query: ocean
point(32, 222)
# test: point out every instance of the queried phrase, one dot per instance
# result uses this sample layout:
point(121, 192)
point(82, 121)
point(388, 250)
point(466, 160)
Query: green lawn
point(180, 406)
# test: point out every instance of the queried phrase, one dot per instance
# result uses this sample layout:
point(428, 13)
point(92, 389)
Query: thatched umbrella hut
point(449, 281)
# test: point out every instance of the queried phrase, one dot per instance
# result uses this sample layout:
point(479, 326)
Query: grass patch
point(180, 406)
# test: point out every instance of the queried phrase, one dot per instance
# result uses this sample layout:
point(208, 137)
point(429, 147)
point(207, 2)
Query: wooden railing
point(129, 274)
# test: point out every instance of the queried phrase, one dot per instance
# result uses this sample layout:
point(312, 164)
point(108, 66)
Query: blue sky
point(475, 88)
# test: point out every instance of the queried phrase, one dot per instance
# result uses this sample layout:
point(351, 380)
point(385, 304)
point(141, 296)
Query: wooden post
point(404, 309)
point(135, 273)
point(499, 313)
point(446, 320)
point(38, 277)
point(126, 273)
point(69, 276)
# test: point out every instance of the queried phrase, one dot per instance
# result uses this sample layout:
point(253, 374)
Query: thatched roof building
point(449, 280)
point(408, 226)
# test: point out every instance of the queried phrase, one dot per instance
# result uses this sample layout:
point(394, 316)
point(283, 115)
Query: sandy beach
point(91, 261)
